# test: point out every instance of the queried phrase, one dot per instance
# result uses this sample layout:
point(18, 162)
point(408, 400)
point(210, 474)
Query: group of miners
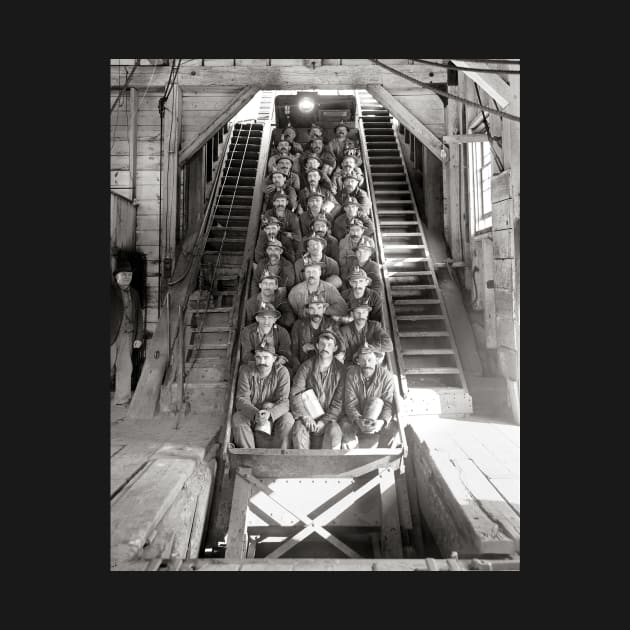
point(315, 322)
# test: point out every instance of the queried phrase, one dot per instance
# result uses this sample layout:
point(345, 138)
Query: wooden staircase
point(212, 308)
point(428, 358)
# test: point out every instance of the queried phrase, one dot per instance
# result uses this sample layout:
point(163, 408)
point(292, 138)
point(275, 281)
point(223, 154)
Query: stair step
point(398, 234)
point(387, 223)
point(395, 202)
point(208, 346)
point(414, 301)
point(213, 239)
point(229, 227)
point(435, 370)
point(424, 333)
point(427, 352)
point(393, 272)
point(400, 290)
point(417, 318)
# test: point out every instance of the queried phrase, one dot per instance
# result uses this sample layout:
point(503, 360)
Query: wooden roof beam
point(415, 126)
point(280, 77)
point(242, 98)
point(492, 84)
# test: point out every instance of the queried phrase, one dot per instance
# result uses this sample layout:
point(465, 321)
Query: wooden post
point(452, 207)
point(237, 529)
point(488, 293)
point(391, 541)
point(168, 182)
point(432, 180)
point(132, 137)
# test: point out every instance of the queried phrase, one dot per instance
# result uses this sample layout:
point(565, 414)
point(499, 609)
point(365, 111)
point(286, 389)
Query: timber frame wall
point(205, 88)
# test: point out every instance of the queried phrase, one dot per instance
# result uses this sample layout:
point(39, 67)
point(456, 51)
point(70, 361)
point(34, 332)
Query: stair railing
point(389, 320)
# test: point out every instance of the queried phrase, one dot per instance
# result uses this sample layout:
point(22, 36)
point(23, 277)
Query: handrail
point(430, 264)
point(198, 249)
point(238, 312)
point(388, 307)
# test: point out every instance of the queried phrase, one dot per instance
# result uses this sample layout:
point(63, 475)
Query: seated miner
point(277, 186)
point(316, 204)
point(348, 167)
point(282, 149)
point(275, 263)
point(269, 294)
point(352, 150)
point(350, 188)
point(306, 329)
point(313, 162)
point(299, 294)
point(361, 259)
point(289, 134)
point(127, 330)
point(266, 329)
point(363, 330)
point(328, 165)
point(316, 148)
point(359, 293)
point(315, 132)
point(349, 243)
point(270, 231)
point(314, 185)
point(289, 233)
point(337, 145)
point(284, 165)
point(315, 253)
point(262, 418)
point(351, 210)
point(321, 227)
point(317, 412)
point(368, 404)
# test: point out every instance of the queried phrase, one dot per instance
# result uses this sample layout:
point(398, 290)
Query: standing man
point(262, 418)
point(368, 388)
point(325, 376)
point(129, 333)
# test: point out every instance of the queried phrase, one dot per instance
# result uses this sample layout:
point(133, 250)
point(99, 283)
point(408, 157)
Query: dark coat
point(117, 314)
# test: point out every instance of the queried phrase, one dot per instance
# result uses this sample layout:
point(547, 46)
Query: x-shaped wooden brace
point(316, 524)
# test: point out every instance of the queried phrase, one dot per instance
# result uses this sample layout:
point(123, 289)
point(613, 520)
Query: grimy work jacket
point(328, 388)
point(357, 390)
point(252, 391)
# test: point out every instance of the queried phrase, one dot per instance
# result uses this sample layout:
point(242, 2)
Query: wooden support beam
point(168, 180)
point(133, 136)
point(463, 138)
point(242, 98)
point(237, 529)
point(391, 541)
point(492, 84)
point(432, 187)
point(276, 77)
point(451, 179)
point(415, 126)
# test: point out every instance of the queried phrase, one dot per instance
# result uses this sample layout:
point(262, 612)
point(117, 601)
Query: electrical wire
point(430, 86)
point(444, 65)
point(127, 82)
point(490, 139)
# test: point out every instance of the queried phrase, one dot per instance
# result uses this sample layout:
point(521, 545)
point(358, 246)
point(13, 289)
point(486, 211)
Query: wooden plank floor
point(162, 473)
point(468, 474)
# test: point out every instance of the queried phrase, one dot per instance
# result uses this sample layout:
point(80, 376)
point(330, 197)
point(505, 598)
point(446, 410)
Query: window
point(479, 175)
